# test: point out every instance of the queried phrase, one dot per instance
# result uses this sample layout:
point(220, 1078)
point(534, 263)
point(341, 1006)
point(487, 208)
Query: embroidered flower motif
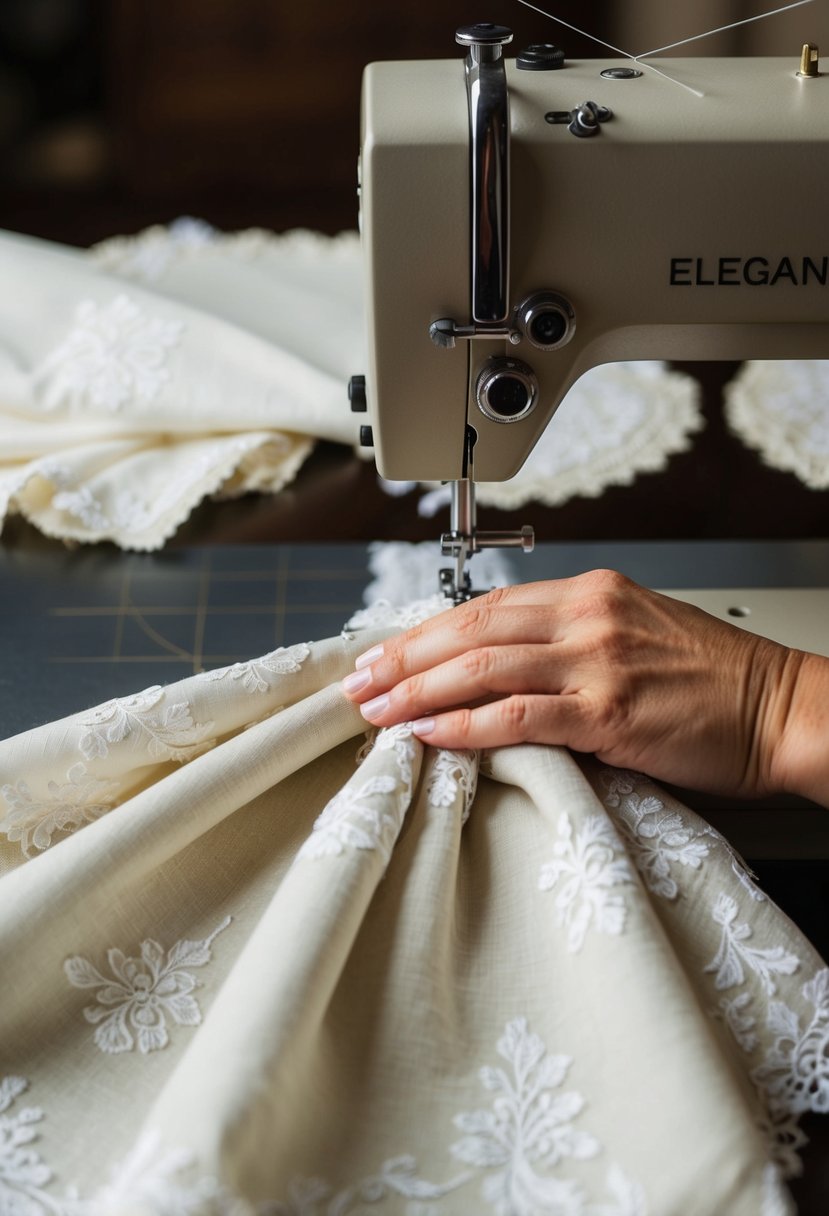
point(657, 836)
point(22, 1171)
point(453, 774)
point(587, 866)
point(151, 1176)
point(142, 992)
point(732, 1010)
point(527, 1127)
point(114, 354)
point(33, 821)
point(168, 731)
point(628, 1197)
point(368, 814)
point(256, 675)
point(727, 963)
point(84, 506)
point(795, 1073)
point(397, 1176)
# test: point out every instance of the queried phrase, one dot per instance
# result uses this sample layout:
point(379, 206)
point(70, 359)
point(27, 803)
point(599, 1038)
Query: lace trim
point(781, 409)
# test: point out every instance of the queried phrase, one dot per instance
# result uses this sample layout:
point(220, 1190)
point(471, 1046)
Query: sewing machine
point(527, 219)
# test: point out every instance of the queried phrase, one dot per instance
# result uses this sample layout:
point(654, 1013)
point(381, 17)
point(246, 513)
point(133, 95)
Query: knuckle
point(413, 688)
point(513, 717)
point(498, 595)
point(469, 623)
point(478, 664)
point(462, 724)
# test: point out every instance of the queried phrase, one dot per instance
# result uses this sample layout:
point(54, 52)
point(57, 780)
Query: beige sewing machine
point(526, 219)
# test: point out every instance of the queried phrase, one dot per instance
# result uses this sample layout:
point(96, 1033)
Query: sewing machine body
point(686, 228)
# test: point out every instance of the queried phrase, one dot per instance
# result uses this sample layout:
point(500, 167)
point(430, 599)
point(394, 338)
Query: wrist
point(800, 748)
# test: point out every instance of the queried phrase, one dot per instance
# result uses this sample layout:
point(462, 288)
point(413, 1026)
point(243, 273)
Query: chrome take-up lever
point(489, 131)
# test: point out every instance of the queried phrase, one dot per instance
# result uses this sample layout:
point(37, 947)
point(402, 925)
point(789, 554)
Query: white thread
point(672, 45)
point(723, 28)
point(611, 47)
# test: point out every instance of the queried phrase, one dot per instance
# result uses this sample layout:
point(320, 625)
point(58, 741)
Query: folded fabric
point(140, 377)
point(781, 409)
point(257, 960)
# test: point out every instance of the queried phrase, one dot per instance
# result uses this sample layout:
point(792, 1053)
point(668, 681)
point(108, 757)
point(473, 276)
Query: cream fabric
point(139, 377)
point(255, 961)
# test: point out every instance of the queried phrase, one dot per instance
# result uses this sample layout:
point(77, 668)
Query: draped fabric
point(256, 959)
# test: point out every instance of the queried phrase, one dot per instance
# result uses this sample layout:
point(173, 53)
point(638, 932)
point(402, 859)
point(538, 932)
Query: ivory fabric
point(149, 372)
point(257, 960)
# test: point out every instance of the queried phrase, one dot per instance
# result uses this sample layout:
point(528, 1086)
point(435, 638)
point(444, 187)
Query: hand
point(600, 665)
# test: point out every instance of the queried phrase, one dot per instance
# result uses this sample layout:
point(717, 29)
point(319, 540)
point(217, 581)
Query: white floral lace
point(133, 1003)
point(368, 812)
point(586, 867)
point(33, 820)
point(115, 353)
point(734, 955)
point(167, 731)
point(454, 774)
point(781, 409)
point(656, 836)
point(257, 675)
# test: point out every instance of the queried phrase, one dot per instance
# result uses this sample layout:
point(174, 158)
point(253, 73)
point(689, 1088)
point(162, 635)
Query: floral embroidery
point(728, 962)
point(742, 1025)
point(588, 865)
point(628, 1197)
point(84, 506)
point(22, 1171)
point(658, 836)
point(168, 730)
point(33, 821)
point(795, 1073)
point(256, 674)
point(151, 1175)
point(142, 992)
point(398, 1176)
point(526, 1127)
point(453, 774)
point(368, 814)
point(114, 354)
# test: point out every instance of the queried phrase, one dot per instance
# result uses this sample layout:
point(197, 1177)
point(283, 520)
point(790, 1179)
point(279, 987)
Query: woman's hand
point(600, 665)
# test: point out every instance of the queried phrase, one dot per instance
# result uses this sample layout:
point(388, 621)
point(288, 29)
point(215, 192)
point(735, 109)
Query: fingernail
point(423, 726)
point(373, 709)
point(356, 681)
point(363, 660)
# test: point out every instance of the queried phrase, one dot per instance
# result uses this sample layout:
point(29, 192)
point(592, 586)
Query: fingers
point(516, 719)
point(473, 676)
point(506, 617)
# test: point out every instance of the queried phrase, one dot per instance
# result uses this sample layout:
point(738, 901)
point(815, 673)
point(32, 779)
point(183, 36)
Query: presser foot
point(464, 540)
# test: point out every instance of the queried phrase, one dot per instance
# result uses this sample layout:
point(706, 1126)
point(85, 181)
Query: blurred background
point(117, 114)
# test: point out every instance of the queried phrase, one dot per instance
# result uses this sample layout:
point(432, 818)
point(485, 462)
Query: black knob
point(357, 394)
point(366, 437)
point(540, 57)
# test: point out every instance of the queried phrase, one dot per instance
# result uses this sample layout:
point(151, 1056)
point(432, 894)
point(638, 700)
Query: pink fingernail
point(423, 726)
point(356, 681)
point(363, 660)
point(373, 709)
